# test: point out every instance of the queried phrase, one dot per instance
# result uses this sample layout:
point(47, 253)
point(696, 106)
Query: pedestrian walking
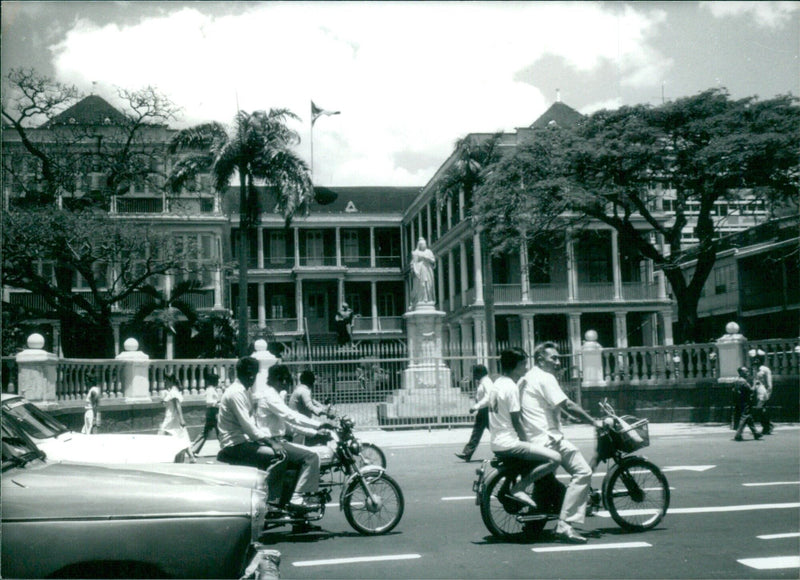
point(746, 399)
point(91, 415)
point(762, 383)
point(174, 423)
point(483, 391)
point(213, 396)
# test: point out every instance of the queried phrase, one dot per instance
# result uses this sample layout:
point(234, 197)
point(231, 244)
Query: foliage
point(258, 147)
point(614, 166)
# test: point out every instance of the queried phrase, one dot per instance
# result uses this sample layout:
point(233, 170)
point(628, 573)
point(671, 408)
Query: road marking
point(779, 536)
point(614, 546)
point(687, 468)
point(771, 483)
point(774, 563)
point(459, 497)
point(705, 510)
point(357, 560)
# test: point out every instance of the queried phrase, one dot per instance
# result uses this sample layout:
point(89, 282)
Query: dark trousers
point(760, 415)
point(211, 424)
point(260, 456)
point(481, 424)
point(746, 420)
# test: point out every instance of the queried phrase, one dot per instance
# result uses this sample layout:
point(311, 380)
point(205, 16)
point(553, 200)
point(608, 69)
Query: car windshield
point(17, 448)
point(35, 422)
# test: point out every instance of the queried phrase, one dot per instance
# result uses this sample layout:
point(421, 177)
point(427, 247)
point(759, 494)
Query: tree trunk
point(488, 301)
point(244, 247)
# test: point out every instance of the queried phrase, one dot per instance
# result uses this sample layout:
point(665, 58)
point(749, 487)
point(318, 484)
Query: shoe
point(463, 456)
point(300, 503)
point(570, 536)
point(304, 528)
point(757, 436)
point(738, 439)
point(767, 432)
point(523, 498)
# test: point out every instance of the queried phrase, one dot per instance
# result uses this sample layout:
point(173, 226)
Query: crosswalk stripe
point(356, 560)
point(612, 546)
point(773, 563)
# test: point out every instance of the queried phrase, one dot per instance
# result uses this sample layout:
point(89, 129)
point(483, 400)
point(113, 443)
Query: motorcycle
point(634, 490)
point(372, 501)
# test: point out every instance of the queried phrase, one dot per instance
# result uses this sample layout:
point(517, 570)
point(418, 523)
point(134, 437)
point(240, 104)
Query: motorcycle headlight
point(355, 447)
point(258, 512)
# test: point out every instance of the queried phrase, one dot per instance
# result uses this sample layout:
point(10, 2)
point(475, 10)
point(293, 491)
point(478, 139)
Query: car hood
point(237, 475)
point(79, 491)
point(111, 448)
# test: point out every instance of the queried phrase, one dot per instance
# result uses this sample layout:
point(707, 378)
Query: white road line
point(459, 497)
point(779, 536)
point(774, 563)
point(614, 546)
point(357, 560)
point(771, 483)
point(704, 510)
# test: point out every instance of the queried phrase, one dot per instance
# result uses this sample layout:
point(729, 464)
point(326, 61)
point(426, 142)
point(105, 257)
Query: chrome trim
point(210, 515)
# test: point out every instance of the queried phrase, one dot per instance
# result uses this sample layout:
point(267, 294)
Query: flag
point(316, 112)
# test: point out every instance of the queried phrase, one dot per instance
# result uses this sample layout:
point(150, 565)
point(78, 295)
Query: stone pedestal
point(135, 381)
point(592, 360)
point(37, 371)
point(265, 360)
point(732, 349)
point(427, 391)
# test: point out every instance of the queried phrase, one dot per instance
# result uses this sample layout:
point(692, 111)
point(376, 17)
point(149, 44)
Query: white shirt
point(483, 393)
point(540, 399)
point(503, 401)
point(274, 415)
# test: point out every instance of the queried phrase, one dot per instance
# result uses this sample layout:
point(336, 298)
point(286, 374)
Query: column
point(528, 336)
point(438, 218)
point(572, 274)
point(114, 328)
point(574, 331)
point(414, 236)
point(339, 250)
point(422, 233)
point(666, 324)
point(59, 352)
point(296, 247)
point(449, 211)
point(651, 330)
point(462, 249)
point(374, 299)
point(523, 272)
point(481, 350)
point(260, 246)
point(262, 305)
point(460, 204)
point(476, 264)
point(340, 291)
point(451, 278)
point(217, 289)
point(429, 233)
point(616, 273)
point(661, 279)
point(620, 330)
point(440, 274)
point(298, 303)
point(372, 247)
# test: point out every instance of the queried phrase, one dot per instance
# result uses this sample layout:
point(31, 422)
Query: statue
point(422, 264)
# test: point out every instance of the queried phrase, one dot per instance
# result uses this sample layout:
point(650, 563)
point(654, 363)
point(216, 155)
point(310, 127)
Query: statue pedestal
point(427, 392)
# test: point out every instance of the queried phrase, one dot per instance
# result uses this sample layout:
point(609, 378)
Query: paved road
point(735, 513)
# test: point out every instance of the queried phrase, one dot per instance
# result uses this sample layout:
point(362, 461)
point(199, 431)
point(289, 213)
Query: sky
point(409, 78)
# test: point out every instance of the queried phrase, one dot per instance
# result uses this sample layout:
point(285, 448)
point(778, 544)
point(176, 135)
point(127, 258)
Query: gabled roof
point(381, 200)
point(92, 110)
point(560, 114)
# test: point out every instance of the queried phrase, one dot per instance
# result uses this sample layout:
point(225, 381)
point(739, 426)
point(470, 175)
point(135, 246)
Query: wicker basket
point(633, 435)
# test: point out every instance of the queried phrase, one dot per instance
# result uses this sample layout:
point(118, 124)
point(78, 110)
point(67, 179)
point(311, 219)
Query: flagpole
point(312, 150)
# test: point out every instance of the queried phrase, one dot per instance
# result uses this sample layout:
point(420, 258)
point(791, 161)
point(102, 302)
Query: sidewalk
point(460, 435)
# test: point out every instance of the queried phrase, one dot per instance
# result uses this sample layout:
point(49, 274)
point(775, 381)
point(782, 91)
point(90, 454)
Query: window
point(386, 304)
point(277, 247)
point(470, 264)
point(199, 254)
point(724, 279)
point(278, 307)
point(594, 258)
point(350, 245)
point(315, 251)
point(101, 274)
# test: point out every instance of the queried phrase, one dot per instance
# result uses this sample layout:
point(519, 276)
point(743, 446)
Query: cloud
point(766, 14)
point(407, 77)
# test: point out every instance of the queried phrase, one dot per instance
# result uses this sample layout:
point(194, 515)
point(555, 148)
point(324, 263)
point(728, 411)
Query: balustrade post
point(135, 373)
point(732, 352)
point(592, 361)
point(37, 371)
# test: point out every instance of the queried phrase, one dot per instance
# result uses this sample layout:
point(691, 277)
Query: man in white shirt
point(505, 423)
point(480, 375)
point(542, 401)
point(274, 416)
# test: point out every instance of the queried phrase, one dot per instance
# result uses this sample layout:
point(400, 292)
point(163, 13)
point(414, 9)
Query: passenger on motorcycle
point(542, 401)
point(301, 400)
point(273, 415)
point(509, 440)
point(241, 441)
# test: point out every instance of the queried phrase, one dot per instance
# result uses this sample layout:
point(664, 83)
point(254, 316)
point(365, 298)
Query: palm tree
point(166, 311)
point(472, 155)
point(257, 148)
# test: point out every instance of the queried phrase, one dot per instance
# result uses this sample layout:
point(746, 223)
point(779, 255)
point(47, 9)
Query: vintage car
point(61, 444)
point(68, 520)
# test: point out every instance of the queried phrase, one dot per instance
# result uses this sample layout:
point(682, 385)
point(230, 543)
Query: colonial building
point(586, 282)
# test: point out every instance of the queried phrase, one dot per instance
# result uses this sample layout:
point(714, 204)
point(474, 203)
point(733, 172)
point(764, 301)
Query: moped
point(634, 491)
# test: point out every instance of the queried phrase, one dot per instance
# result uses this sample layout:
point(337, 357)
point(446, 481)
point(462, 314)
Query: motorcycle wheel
point(372, 455)
point(373, 518)
point(499, 513)
point(636, 494)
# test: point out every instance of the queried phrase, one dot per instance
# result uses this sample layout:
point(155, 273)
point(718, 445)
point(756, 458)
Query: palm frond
point(198, 138)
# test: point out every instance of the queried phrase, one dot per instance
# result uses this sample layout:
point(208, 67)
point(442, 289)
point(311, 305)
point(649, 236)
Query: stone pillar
point(218, 289)
point(451, 279)
point(37, 370)
point(296, 247)
point(615, 270)
point(528, 336)
point(732, 349)
point(372, 247)
point(620, 330)
point(298, 303)
point(262, 306)
point(373, 287)
point(523, 272)
point(260, 248)
point(462, 249)
point(666, 325)
point(338, 243)
point(572, 274)
point(135, 379)
point(574, 330)
point(115, 331)
point(476, 264)
point(265, 360)
point(592, 361)
point(481, 348)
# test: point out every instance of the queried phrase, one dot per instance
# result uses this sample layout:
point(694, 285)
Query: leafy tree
point(258, 147)
point(166, 311)
point(706, 147)
point(466, 173)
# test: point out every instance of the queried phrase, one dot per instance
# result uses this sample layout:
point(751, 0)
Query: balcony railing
point(155, 204)
point(315, 261)
point(73, 377)
point(278, 262)
point(591, 292)
point(639, 291)
point(356, 261)
point(387, 261)
point(548, 293)
point(507, 293)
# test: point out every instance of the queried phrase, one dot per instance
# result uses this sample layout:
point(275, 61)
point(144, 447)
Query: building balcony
point(593, 292)
point(639, 291)
point(507, 293)
point(159, 204)
point(548, 293)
